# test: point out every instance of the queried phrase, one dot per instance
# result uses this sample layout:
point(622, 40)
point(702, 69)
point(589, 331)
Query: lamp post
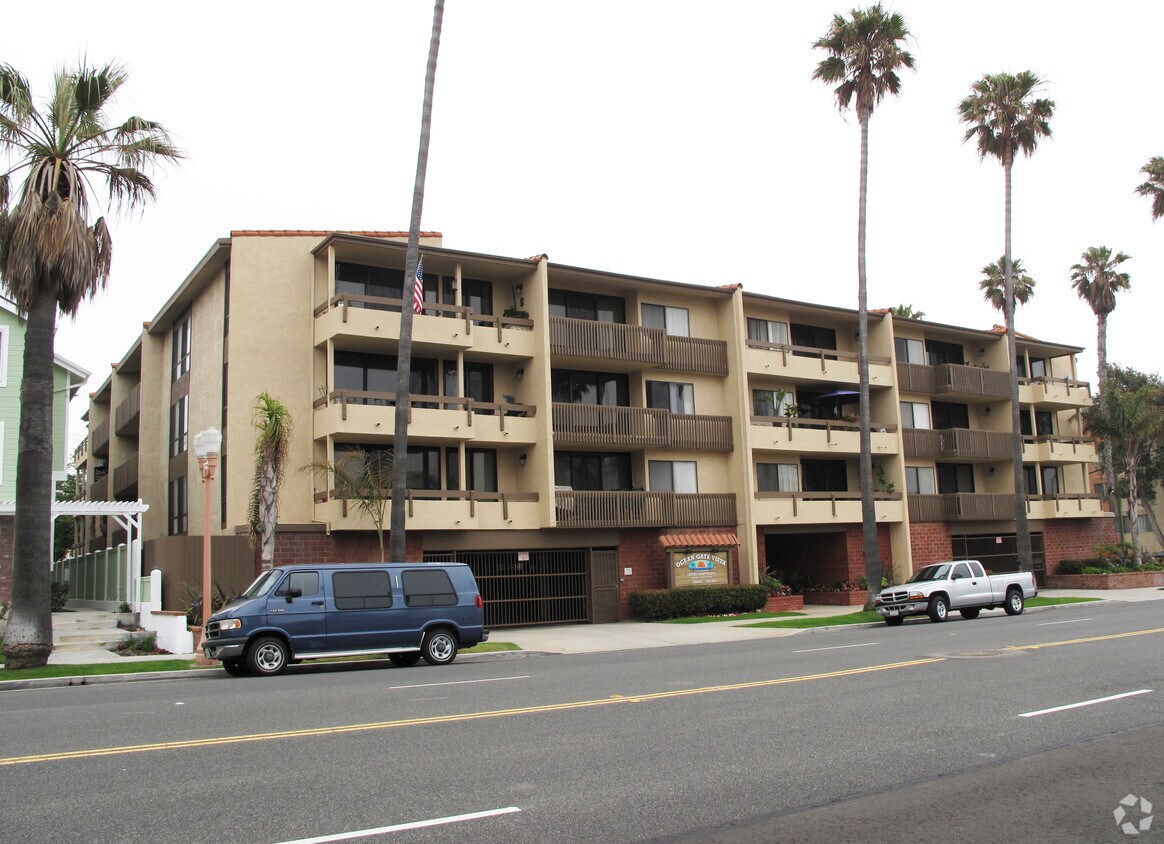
point(206, 447)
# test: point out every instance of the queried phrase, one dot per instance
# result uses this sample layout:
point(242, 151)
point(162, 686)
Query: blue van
point(404, 610)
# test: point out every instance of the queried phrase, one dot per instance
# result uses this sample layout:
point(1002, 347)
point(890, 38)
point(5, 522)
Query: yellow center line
point(449, 719)
point(1085, 640)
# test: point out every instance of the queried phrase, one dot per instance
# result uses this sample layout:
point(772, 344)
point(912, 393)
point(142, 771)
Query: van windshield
point(937, 572)
point(262, 584)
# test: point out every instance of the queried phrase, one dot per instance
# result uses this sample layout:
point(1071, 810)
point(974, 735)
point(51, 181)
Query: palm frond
point(1154, 186)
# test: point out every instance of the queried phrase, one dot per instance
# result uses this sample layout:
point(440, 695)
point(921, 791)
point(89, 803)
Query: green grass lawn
point(1050, 602)
point(99, 668)
point(825, 621)
point(747, 616)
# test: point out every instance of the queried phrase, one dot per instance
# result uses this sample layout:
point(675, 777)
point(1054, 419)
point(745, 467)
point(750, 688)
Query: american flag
point(418, 288)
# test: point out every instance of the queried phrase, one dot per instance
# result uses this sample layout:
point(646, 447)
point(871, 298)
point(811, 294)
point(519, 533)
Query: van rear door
point(297, 607)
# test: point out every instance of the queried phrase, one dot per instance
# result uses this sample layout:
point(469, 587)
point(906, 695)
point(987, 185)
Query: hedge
point(658, 604)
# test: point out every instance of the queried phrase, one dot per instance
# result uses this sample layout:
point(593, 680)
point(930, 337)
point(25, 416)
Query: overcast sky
point(675, 140)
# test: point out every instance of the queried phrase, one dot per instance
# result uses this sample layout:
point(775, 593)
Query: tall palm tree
point(52, 256)
point(1006, 118)
point(1097, 279)
point(1154, 187)
point(396, 535)
point(864, 54)
point(993, 283)
point(272, 444)
point(907, 312)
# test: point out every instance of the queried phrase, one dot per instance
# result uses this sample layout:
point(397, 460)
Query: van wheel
point(439, 648)
point(970, 612)
point(267, 656)
point(235, 667)
point(405, 660)
point(1014, 602)
point(939, 609)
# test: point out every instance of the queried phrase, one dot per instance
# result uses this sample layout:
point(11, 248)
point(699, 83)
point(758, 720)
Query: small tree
point(65, 527)
point(273, 441)
point(993, 284)
point(907, 312)
point(363, 478)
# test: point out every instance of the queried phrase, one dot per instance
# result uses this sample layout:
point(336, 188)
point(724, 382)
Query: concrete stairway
point(86, 630)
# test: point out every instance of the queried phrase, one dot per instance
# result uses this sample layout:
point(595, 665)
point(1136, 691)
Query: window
point(950, 415)
point(813, 336)
point(1030, 480)
point(605, 388)
point(179, 426)
point(361, 280)
point(478, 295)
point(976, 569)
point(177, 506)
point(919, 480)
point(369, 373)
point(777, 477)
point(581, 470)
point(480, 469)
point(1038, 367)
point(305, 582)
point(424, 468)
point(772, 402)
point(1143, 525)
point(909, 351)
point(2, 453)
point(180, 352)
point(955, 477)
point(824, 475)
point(675, 321)
point(767, 330)
point(673, 476)
point(672, 396)
point(575, 305)
point(1044, 423)
point(361, 590)
point(428, 588)
point(915, 414)
point(938, 353)
point(3, 355)
point(479, 382)
point(1050, 480)
point(355, 459)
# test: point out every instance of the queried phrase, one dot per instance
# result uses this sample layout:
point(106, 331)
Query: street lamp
point(206, 447)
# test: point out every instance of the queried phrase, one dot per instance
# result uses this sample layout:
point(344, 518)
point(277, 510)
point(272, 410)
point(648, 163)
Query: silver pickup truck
point(963, 585)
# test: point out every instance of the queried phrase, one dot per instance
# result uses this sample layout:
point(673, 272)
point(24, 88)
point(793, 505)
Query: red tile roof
point(315, 233)
point(699, 540)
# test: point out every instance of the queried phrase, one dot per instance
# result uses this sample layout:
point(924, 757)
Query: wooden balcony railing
point(125, 476)
point(1068, 383)
point(644, 509)
point(971, 506)
point(608, 340)
point(639, 427)
point(962, 443)
point(824, 355)
point(831, 497)
point(99, 437)
point(826, 425)
point(1055, 440)
point(952, 378)
point(128, 411)
point(694, 354)
point(99, 491)
point(469, 406)
point(413, 495)
point(383, 303)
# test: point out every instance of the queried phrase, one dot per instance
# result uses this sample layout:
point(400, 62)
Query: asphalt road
point(868, 734)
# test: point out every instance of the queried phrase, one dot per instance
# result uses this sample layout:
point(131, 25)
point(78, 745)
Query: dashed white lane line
point(1084, 703)
point(837, 647)
point(400, 827)
point(1068, 621)
point(461, 682)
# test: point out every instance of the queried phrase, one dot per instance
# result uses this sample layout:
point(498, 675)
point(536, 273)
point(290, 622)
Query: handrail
point(815, 351)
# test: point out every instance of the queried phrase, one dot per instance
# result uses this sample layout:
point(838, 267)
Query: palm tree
point(1096, 280)
point(1154, 187)
point(1129, 416)
point(865, 52)
point(1006, 118)
point(272, 442)
point(993, 283)
point(396, 536)
point(364, 479)
point(52, 256)
point(907, 312)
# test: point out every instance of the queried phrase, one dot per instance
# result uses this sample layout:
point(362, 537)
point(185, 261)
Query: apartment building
point(576, 434)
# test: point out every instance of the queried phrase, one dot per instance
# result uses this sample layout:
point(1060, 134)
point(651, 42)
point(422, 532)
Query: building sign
point(700, 568)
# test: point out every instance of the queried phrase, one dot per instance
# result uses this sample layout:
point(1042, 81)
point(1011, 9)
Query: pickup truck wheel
point(1014, 602)
point(405, 660)
point(439, 647)
point(894, 620)
point(970, 613)
point(939, 609)
point(235, 667)
point(267, 656)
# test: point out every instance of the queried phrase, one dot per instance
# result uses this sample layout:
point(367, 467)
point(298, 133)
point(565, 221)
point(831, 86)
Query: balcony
point(1061, 393)
point(437, 510)
point(99, 438)
point(969, 506)
point(815, 508)
point(357, 318)
point(819, 436)
point(615, 509)
point(1066, 506)
point(807, 363)
point(956, 443)
point(639, 427)
point(953, 381)
point(125, 478)
point(371, 416)
point(634, 347)
point(1054, 449)
point(127, 414)
point(99, 491)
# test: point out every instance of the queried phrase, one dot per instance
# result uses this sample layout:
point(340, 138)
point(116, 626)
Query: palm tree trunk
point(268, 513)
point(29, 638)
point(396, 537)
point(1108, 460)
point(1022, 530)
point(868, 505)
point(1133, 505)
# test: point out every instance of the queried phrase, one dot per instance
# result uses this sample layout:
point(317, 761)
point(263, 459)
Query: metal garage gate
point(999, 556)
point(551, 587)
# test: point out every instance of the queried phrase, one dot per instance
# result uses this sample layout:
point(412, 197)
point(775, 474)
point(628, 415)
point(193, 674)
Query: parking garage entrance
point(549, 586)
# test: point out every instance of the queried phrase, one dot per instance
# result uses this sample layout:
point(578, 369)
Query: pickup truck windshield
point(262, 584)
point(937, 572)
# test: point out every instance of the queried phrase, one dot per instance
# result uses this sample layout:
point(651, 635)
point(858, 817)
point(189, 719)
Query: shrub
point(775, 585)
point(658, 604)
point(124, 607)
point(139, 643)
point(59, 596)
point(1071, 567)
point(194, 600)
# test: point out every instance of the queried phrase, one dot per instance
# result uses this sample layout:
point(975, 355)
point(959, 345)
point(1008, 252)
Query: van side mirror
point(294, 593)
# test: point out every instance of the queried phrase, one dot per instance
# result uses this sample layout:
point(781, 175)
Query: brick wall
point(930, 543)
point(640, 551)
point(6, 537)
point(1127, 580)
point(1075, 539)
point(294, 547)
point(855, 544)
